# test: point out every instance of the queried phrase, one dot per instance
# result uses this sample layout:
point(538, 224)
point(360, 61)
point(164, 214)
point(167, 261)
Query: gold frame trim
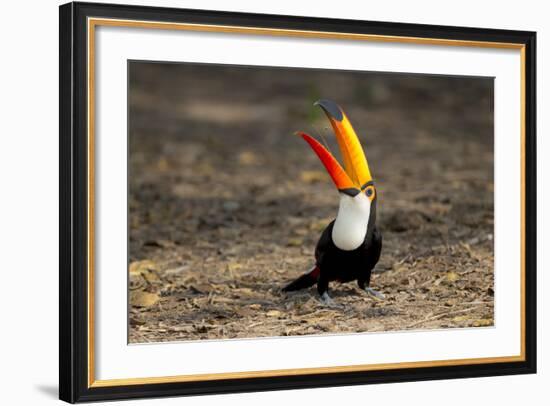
point(94, 22)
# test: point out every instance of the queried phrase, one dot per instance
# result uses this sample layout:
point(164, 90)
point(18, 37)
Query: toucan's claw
point(327, 301)
point(375, 293)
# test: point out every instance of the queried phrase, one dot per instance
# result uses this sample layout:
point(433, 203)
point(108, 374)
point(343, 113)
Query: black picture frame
point(73, 284)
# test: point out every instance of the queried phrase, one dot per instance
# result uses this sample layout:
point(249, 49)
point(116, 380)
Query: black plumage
point(335, 264)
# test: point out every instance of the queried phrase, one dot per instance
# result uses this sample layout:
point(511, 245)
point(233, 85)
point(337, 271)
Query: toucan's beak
point(336, 172)
point(356, 176)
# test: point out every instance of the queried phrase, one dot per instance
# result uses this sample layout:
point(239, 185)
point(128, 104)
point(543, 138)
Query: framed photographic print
point(257, 202)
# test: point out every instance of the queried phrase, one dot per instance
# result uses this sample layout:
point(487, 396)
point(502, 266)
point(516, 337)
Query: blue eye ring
point(369, 191)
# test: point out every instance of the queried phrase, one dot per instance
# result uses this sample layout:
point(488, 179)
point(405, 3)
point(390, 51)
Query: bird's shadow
point(343, 291)
point(337, 291)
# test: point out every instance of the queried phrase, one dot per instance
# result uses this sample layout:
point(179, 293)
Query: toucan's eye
point(369, 191)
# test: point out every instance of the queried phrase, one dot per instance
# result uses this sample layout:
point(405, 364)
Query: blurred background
point(226, 204)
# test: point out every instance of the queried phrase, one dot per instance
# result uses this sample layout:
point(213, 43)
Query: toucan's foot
point(326, 300)
point(374, 293)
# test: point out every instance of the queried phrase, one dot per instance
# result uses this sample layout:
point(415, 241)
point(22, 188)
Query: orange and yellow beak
point(356, 176)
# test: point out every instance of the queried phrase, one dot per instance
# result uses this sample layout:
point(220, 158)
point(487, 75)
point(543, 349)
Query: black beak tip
point(331, 108)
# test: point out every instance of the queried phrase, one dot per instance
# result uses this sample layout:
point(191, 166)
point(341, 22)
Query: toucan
point(350, 245)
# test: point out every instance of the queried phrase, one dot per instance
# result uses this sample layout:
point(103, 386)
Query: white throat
point(352, 220)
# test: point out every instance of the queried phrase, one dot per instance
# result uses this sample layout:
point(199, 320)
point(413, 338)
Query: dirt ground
point(226, 204)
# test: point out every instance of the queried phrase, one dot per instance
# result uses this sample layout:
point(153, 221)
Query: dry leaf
point(234, 266)
point(295, 242)
point(143, 299)
point(137, 267)
point(184, 329)
point(136, 322)
point(273, 313)
point(245, 312)
point(201, 288)
point(452, 276)
point(483, 323)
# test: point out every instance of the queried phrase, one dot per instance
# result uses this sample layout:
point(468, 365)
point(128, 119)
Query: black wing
point(324, 244)
point(372, 253)
point(375, 248)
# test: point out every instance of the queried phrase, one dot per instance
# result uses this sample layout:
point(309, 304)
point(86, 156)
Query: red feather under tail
point(305, 281)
